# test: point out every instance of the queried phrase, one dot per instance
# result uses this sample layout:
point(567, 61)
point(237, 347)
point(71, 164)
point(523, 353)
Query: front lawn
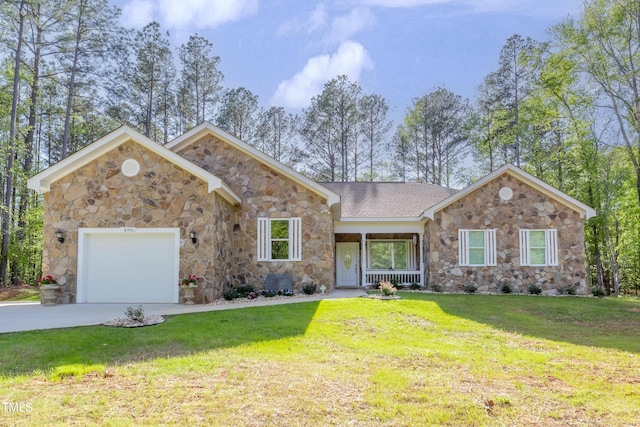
point(427, 359)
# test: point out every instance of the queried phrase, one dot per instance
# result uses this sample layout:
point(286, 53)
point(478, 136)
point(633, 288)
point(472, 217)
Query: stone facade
point(160, 195)
point(527, 209)
point(267, 193)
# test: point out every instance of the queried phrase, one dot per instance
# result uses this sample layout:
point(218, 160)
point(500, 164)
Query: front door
point(348, 264)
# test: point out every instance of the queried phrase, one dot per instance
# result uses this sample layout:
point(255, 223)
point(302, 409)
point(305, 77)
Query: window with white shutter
point(279, 239)
point(477, 247)
point(538, 247)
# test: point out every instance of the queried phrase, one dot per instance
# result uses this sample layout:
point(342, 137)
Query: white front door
point(348, 265)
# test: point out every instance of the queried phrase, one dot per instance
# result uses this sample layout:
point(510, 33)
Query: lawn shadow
point(179, 335)
point(598, 322)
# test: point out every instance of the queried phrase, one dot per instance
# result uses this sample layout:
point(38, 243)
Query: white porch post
point(421, 252)
point(363, 259)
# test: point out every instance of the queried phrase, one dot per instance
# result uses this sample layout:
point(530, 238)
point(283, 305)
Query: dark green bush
point(506, 289)
point(309, 288)
point(436, 288)
point(231, 294)
point(535, 290)
point(470, 289)
point(244, 291)
point(598, 292)
point(570, 290)
point(414, 287)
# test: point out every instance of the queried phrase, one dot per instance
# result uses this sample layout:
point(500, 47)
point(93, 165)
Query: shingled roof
point(387, 199)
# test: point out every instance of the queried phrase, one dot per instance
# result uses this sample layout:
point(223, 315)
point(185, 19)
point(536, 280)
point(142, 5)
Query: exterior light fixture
point(59, 235)
point(192, 234)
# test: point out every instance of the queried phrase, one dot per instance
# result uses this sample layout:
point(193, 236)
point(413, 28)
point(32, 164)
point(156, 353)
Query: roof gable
point(41, 182)
point(387, 200)
point(541, 186)
point(207, 128)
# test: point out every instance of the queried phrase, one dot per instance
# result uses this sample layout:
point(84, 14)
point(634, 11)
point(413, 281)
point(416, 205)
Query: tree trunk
point(6, 215)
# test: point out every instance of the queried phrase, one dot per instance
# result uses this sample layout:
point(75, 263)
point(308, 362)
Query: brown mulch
point(12, 291)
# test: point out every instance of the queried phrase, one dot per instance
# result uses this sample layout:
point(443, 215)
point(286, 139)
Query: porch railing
point(404, 277)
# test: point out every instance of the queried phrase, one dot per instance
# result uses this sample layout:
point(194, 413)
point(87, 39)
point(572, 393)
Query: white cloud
point(186, 14)
point(137, 13)
point(350, 59)
point(317, 20)
point(345, 26)
point(535, 7)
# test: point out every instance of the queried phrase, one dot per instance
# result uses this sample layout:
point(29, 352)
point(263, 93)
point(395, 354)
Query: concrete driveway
point(26, 316)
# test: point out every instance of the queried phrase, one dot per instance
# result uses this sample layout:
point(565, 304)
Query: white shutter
point(552, 246)
point(524, 247)
point(295, 239)
point(264, 240)
point(490, 254)
point(463, 244)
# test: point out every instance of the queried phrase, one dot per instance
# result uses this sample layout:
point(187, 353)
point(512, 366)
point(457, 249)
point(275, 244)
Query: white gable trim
point(42, 181)
point(584, 210)
point(207, 128)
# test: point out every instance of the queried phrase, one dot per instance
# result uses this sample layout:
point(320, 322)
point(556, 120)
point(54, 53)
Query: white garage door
point(129, 266)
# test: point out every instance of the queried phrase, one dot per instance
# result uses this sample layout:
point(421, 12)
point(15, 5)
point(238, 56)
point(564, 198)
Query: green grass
point(427, 359)
point(20, 294)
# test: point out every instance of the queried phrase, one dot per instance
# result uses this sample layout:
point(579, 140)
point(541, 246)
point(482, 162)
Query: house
point(125, 218)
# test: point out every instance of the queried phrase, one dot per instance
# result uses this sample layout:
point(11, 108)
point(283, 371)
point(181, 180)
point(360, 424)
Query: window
point(391, 255)
point(279, 239)
point(477, 247)
point(539, 247)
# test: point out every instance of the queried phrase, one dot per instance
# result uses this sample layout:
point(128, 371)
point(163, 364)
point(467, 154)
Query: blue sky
point(285, 50)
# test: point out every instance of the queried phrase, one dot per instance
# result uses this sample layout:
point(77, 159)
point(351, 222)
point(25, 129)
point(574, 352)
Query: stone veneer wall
point(266, 193)
point(528, 209)
point(160, 195)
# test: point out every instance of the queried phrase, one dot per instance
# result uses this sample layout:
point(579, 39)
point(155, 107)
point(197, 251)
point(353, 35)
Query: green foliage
point(414, 286)
point(598, 292)
point(309, 288)
point(230, 294)
point(506, 289)
point(436, 288)
point(470, 288)
point(244, 290)
point(135, 314)
point(534, 290)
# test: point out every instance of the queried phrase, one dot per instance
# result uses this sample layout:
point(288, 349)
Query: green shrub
point(309, 288)
point(414, 287)
point(135, 314)
point(570, 290)
point(231, 294)
point(506, 289)
point(244, 291)
point(470, 289)
point(535, 290)
point(436, 288)
point(598, 292)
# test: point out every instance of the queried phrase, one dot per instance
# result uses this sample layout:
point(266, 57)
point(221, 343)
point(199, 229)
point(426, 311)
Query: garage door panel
point(130, 267)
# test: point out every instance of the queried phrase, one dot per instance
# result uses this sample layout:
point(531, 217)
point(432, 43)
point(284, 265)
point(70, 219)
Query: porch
point(364, 259)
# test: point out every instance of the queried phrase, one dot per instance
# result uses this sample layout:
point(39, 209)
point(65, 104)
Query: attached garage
point(128, 265)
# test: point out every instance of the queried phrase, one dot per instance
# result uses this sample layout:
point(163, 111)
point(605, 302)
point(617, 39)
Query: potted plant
point(188, 287)
point(48, 290)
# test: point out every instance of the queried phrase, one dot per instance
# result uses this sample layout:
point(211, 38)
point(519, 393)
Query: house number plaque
point(129, 229)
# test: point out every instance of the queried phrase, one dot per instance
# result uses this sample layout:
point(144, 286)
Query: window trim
point(411, 258)
point(490, 254)
point(550, 249)
point(264, 240)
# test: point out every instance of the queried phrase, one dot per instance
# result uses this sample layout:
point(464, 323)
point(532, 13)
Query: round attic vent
point(130, 167)
point(506, 193)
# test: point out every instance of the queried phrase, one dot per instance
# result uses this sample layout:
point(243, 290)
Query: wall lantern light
point(192, 234)
point(59, 236)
